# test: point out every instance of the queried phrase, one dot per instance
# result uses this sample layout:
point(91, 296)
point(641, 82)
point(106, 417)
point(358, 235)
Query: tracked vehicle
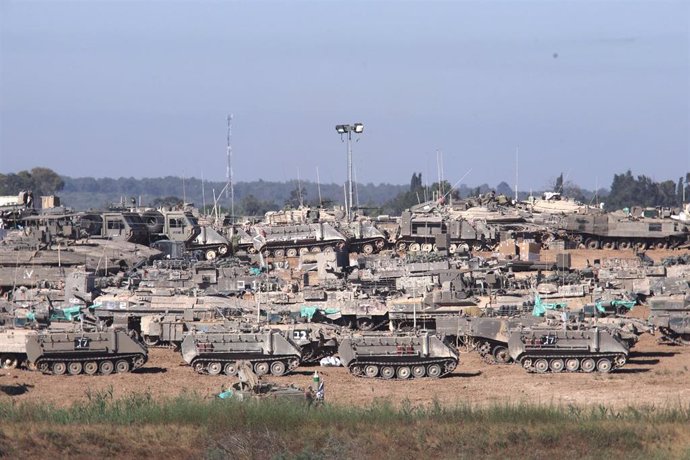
point(397, 357)
point(77, 352)
point(671, 316)
point(544, 350)
point(215, 352)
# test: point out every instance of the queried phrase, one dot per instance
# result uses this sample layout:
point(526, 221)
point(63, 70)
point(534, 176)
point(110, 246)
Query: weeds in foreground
point(285, 429)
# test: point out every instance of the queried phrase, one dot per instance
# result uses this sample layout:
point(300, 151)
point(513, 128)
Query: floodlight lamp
point(342, 129)
point(358, 128)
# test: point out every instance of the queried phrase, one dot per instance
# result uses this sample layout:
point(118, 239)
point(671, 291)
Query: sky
point(143, 89)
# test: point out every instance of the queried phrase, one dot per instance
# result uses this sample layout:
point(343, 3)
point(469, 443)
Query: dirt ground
point(656, 374)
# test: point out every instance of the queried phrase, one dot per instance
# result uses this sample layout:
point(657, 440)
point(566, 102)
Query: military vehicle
point(618, 231)
point(292, 240)
point(111, 225)
point(397, 356)
point(547, 349)
point(212, 352)
point(362, 237)
point(250, 387)
point(671, 316)
point(13, 347)
point(160, 316)
point(418, 232)
point(76, 351)
point(316, 341)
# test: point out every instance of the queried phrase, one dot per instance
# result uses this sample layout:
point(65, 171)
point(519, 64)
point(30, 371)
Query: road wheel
point(328, 250)
point(278, 368)
point(403, 372)
point(151, 340)
point(401, 247)
point(214, 368)
point(433, 371)
point(418, 372)
point(427, 247)
point(223, 249)
point(8, 362)
point(122, 366)
point(59, 368)
point(572, 364)
point(608, 245)
point(387, 372)
point(90, 367)
point(527, 363)
point(261, 368)
point(501, 355)
point(211, 254)
point(624, 245)
point(452, 248)
point(368, 249)
point(588, 365)
point(371, 371)
point(291, 252)
point(303, 251)
point(556, 365)
point(279, 253)
point(604, 365)
point(641, 245)
point(415, 247)
point(621, 360)
point(315, 250)
point(106, 367)
point(592, 243)
point(74, 368)
point(230, 369)
point(661, 245)
point(541, 365)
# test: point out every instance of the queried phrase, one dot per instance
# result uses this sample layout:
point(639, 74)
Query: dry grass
point(192, 427)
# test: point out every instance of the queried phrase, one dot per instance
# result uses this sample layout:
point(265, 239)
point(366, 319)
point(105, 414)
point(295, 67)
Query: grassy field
point(192, 427)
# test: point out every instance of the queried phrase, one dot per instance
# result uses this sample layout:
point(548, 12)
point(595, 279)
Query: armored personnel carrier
point(75, 352)
point(291, 240)
point(400, 357)
point(213, 352)
point(555, 350)
point(13, 347)
point(611, 231)
point(671, 316)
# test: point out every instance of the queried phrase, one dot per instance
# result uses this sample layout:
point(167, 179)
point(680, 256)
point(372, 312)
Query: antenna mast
point(228, 172)
point(517, 162)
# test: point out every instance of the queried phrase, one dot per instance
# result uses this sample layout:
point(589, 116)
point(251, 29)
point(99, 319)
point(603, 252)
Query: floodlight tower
point(357, 128)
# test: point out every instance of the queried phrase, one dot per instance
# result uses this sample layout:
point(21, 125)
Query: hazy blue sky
point(143, 88)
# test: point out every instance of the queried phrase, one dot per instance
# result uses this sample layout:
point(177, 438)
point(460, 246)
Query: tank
point(363, 237)
point(397, 356)
point(215, 352)
point(76, 352)
point(544, 350)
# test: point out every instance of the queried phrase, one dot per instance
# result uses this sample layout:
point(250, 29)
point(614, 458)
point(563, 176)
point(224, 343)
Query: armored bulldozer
point(213, 352)
point(671, 316)
point(74, 352)
point(397, 356)
point(546, 349)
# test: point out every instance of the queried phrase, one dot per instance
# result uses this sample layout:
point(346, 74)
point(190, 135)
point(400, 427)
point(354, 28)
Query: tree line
point(257, 197)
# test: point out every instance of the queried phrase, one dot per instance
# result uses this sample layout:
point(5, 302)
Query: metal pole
point(349, 171)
